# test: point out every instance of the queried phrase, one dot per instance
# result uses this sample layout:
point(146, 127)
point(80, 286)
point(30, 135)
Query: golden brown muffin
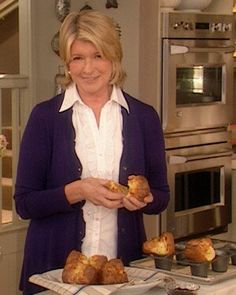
point(80, 269)
point(199, 250)
point(77, 270)
point(116, 187)
point(162, 246)
point(76, 256)
point(97, 261)
point(113, 272)
point(138, 187)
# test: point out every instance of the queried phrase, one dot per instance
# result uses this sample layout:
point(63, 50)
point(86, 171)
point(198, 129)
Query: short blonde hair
point(101, 31)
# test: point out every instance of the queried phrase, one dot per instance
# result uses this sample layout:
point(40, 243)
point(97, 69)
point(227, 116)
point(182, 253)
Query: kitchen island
point(227, 287)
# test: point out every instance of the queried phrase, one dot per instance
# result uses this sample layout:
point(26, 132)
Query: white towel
point(144, 279)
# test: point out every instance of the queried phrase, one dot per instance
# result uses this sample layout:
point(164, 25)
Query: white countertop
point(215, 284)
point(224, 288)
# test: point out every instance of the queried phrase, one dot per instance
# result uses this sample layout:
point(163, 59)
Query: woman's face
point(89, 70)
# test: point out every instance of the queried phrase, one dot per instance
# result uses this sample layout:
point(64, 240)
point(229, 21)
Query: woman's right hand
point(93, 190)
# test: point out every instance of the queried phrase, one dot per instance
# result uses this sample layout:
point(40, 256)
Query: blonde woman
point(77, 141)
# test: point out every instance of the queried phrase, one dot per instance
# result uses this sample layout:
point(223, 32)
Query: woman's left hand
point(132, 203)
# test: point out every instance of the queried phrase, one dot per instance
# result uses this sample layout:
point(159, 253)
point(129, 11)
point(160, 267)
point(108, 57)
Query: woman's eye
point(98, 56)
point(76, 58)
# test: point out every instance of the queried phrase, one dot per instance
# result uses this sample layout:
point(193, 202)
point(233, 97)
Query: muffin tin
point(222, 267)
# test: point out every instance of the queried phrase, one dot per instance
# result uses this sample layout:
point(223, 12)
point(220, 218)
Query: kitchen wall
point(9, 38)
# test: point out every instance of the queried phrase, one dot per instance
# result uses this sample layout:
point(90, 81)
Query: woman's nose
point(88, 66)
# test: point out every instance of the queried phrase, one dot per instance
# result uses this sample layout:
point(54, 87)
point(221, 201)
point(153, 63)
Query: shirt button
point(122, 229)
point(125, 168)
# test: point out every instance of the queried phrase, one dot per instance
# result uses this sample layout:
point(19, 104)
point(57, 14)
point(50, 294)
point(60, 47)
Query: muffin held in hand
point(116, 187)
point(162, 246)
point(138, 187)
point(199, 250)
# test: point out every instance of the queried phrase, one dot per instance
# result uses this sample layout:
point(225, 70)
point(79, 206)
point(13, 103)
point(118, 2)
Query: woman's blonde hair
point(101, 31)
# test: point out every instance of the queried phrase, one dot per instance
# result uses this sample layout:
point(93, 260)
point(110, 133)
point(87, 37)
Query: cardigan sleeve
point(34, 197)
point(156, 168)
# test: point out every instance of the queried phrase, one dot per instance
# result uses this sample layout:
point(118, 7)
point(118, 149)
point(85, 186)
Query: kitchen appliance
point(197, 71)
point(196, 109)
point(199, 175)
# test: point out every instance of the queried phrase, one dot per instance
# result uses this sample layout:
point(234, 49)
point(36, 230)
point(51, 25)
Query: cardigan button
point(125, 168)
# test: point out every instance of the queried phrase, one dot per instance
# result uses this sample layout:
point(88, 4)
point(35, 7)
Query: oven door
point(197, 86)
point(200, 182)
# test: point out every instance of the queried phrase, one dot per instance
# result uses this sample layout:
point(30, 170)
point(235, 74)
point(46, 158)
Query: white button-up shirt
point(99, 150)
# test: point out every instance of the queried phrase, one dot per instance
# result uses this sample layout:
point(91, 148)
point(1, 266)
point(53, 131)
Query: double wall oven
point(196, 109)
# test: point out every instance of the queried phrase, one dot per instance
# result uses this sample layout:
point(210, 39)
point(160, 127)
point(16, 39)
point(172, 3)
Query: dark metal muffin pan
point(223, 267)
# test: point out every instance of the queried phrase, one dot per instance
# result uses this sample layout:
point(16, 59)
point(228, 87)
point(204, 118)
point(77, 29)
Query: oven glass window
point(198, 85)
point(197, 188)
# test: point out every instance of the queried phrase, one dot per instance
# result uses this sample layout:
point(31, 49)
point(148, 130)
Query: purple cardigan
point(48, 161)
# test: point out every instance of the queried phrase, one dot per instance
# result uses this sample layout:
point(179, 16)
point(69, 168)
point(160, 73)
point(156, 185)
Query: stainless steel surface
point(193, 153)
point(191, 43)
point(200, 137)
point(192, 25)
point(196, 109)
point(204, 114)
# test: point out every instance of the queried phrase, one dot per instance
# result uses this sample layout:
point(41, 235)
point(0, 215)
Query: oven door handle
point(180, 49)
point(175, 159)
point(229, 49)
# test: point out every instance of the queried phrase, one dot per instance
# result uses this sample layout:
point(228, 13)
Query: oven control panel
point(211, 27)
point(190, 25)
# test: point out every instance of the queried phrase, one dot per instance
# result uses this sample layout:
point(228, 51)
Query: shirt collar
point(72, 96)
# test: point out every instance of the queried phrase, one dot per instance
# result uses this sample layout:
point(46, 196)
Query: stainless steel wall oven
point(197, 55)
point(197, 107)
point(199, 174)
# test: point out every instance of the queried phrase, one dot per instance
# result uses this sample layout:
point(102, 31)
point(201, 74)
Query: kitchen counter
point(223, 288)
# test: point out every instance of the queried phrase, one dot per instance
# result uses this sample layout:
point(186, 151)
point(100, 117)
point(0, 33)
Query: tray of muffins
point(204, 260)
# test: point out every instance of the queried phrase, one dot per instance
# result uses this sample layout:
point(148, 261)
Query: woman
point(77, 141)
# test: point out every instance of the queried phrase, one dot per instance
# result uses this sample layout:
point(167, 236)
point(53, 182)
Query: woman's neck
point(96, 102)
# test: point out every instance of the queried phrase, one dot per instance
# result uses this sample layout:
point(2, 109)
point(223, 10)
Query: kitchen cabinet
point(11, 255)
